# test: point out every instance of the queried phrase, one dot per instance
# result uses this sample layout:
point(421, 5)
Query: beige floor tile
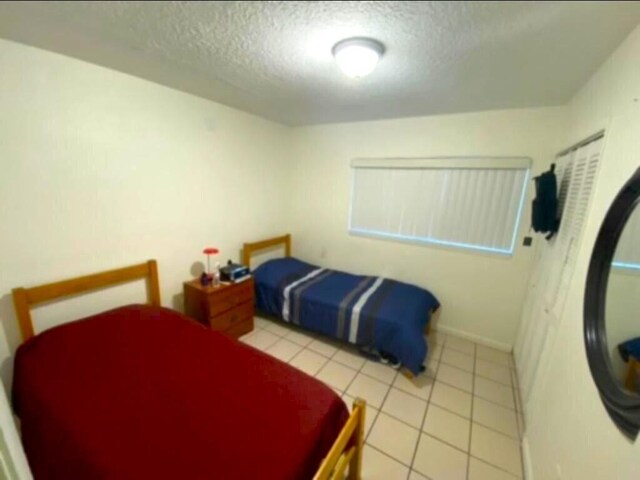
point(260, 322)
point(514, 378)
point(457, 359)
point(478, 470)
point(419, 386)
point(369, 415)
point(494, 416)
point(496, 449)
point(394, 438)
point(521, 424)
point(370, 389)
point(431, 368)
point(518, 398)
point(405, 407)
point(246, 336)
point(308, 361)
point(452, 399)
point(493, 355)
point(300, 338)
point(437, 337)
point(349, 358)
point(416, 476)
point(494, 392)
point(455, 377)
point(379, 371)
point(278, 329)
point(447, 427)
point(336, 375)
point(284, 349)
point(439, 461)
point(494, 372)
point(262, 339)
point(460, 344)
point(378, 466)
point(323, 347)
point(435, 352)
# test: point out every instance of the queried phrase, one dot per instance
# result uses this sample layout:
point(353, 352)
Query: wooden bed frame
point(25, 298)
point(346, 450)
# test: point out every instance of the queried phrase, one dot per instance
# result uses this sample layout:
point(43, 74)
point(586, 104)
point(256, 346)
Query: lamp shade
point(210, 251)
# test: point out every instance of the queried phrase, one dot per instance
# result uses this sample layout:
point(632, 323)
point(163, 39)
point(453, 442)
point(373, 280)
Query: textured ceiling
point(274, 58)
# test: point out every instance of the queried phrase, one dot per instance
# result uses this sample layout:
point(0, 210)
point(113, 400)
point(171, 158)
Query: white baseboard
point(505, 347)
point(526, 460)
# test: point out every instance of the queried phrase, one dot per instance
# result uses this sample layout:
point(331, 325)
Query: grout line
point(473, 388)
point(424, 415)
point(510, 385)
point(451, 411)
point(515, 477)
point(447, 443)
point(390, 386)
point(519, 413)
point(515, 439)
point(470, 392)
point(389, 456)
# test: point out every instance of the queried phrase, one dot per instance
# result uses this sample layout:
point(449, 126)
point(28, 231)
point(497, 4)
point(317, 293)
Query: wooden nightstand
point(226, 308)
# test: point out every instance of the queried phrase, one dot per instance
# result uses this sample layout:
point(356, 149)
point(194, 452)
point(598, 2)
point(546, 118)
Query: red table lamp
point(208, 252)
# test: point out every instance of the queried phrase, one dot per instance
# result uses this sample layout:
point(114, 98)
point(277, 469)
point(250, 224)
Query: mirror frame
point(622, 406)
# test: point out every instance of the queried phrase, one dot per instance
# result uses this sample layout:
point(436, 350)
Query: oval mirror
point(612, 309)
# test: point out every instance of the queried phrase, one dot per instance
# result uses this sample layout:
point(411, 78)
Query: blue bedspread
point(372, 312)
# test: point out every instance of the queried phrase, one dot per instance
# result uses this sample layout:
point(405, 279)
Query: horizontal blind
point(472, 208)
point(628, 249)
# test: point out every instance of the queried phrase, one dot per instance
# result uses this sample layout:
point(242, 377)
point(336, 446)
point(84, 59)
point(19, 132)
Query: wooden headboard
point(249, 248)
point(25, 298)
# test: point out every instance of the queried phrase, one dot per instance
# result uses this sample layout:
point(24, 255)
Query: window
point(472, 203)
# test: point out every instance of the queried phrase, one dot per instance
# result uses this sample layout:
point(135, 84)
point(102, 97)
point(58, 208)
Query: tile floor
point(460, 420)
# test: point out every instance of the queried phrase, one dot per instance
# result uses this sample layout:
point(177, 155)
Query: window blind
point(469, 204)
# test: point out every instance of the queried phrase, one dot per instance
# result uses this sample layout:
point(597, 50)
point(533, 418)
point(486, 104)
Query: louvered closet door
point(554, 269)
point(534, 322)
point(586, 171)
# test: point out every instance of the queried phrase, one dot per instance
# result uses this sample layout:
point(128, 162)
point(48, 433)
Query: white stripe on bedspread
point(355, 313)
point(287, 290)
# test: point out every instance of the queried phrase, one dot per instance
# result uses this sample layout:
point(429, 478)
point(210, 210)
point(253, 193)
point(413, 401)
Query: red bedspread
point(144, 393)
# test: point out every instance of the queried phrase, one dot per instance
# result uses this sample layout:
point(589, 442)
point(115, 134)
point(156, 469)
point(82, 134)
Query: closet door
point(553, 270)
point(535, 316)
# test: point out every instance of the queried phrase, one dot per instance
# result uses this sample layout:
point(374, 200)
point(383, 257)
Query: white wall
point(99, 170)
point(481, 294)
point(575, 433)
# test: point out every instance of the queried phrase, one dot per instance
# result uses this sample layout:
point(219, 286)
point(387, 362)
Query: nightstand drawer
point(240, 328)
point(232, 317)
point(230, 298)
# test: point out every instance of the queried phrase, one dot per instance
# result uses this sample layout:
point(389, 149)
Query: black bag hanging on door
point(544, 212)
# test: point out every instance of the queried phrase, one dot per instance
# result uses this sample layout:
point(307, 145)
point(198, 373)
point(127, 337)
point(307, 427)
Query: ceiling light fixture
point(357, 57)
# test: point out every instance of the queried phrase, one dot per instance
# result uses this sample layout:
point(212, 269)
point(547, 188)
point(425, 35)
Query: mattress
point(143, 392)
point(377, 314)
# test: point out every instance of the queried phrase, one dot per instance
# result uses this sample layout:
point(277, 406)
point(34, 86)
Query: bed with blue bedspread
point(376, 314)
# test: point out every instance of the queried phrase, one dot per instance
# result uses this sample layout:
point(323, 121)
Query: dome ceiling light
point(357, 57)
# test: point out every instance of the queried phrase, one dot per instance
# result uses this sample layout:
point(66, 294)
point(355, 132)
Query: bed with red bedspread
point(143, 392)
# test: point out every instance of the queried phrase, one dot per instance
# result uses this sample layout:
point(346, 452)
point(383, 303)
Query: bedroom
point(134, 131)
